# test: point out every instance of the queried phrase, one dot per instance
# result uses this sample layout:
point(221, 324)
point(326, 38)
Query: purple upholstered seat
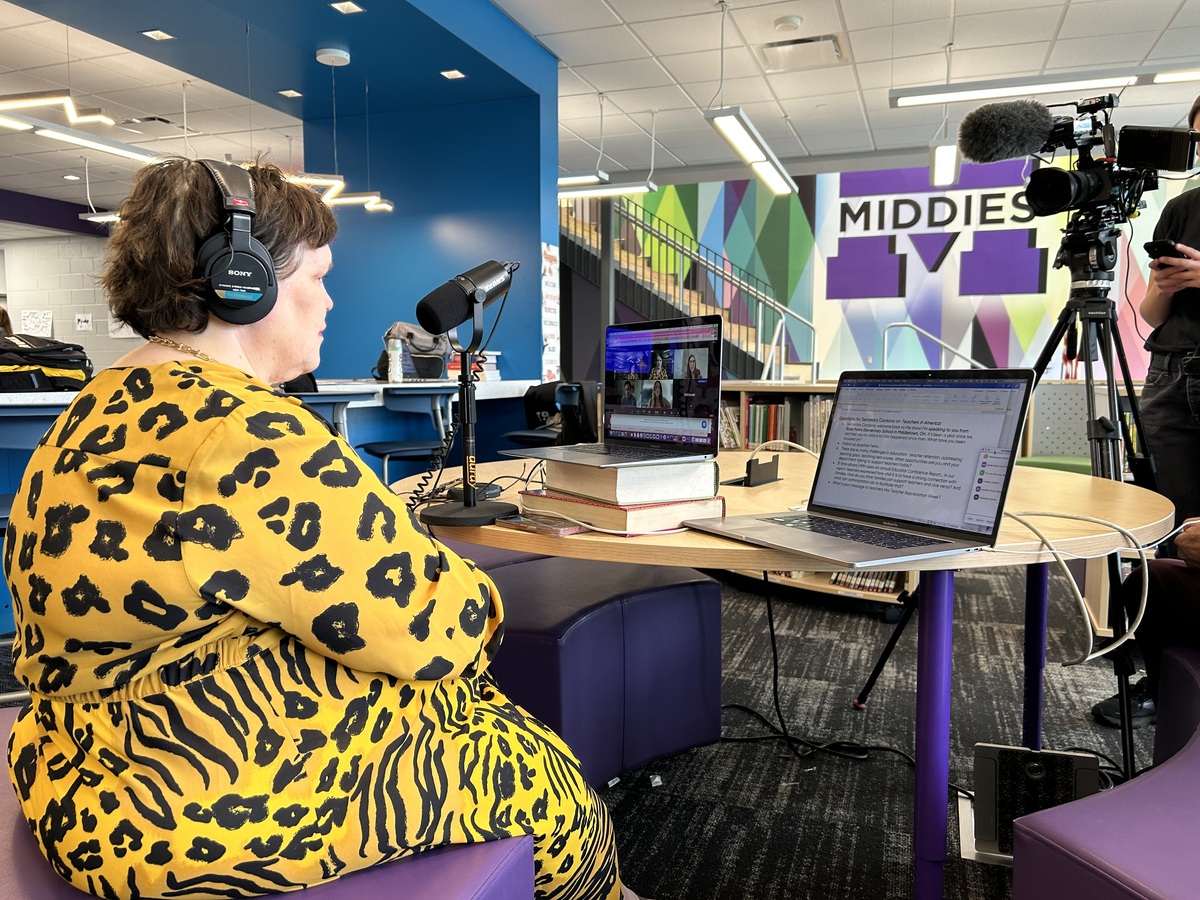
point(620, 659)
point(488, 558)
point(1137, 840)
point(496, 870)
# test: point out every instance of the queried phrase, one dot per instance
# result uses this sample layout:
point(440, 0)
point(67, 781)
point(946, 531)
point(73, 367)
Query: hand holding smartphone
point(1159, 249)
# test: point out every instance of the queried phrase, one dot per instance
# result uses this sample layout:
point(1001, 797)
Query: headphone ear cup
point(240, 286)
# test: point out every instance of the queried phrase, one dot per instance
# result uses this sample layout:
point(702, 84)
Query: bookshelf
point(757, 411)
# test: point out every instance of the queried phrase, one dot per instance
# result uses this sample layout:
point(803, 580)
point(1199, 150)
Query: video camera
point(1110, 186)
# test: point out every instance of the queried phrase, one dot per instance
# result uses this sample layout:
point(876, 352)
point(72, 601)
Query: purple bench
point(1137, 840)
point(495, 870)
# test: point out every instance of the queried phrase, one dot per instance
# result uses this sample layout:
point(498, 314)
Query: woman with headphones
point(250, 671)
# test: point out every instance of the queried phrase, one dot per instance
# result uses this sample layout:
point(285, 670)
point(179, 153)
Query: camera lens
point(1053, 191)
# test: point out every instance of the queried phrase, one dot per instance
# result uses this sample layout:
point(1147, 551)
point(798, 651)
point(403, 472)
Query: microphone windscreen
point(1009, 130)
point(443, 308)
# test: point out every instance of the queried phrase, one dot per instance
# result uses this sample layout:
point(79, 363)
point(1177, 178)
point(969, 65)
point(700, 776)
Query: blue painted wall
point(466, 184)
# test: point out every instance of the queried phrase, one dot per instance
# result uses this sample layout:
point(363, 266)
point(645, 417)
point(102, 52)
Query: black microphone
point(451, 304)
point(1009, 130)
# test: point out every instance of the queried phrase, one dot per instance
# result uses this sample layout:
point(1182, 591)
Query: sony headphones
point(238, 271)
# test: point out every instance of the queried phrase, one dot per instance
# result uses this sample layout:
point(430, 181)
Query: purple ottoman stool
point(1137, 840)
point(622, 660)
point(496, 870)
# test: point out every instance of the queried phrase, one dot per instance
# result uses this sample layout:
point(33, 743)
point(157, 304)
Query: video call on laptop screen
point(662, 383)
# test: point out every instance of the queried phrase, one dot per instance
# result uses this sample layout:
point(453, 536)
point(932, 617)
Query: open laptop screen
point(929, 448)
point(662, 384)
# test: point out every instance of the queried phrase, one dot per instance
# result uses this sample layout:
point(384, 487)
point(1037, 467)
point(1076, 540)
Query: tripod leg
point(910, 606)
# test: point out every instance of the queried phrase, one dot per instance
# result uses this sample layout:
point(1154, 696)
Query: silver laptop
point(914, 465)
point(662, 396)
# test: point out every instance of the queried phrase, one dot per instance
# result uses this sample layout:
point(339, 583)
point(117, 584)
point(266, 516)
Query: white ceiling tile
point(595, 45)
point(706, 64)
point(1104, 17)
point(996, 28)
point(1098, 53)
point(540, 17)
point(997, 62)
point(633, 73)
point(696, 32)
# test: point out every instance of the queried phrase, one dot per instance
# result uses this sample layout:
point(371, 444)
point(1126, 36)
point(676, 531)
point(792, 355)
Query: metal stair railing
point(975, 364)
point(692, 278)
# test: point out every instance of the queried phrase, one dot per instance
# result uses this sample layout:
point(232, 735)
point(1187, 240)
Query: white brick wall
point(61, 274)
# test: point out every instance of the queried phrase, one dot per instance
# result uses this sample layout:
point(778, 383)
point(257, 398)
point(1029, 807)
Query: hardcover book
point(693, 480)
point(642, 518)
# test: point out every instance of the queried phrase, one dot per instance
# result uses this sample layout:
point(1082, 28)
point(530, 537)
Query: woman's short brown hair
point(150, 274)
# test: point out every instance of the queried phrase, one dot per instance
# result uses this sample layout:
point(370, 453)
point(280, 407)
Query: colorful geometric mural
point(883, 264)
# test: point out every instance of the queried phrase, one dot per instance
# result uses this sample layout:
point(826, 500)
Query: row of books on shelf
point(629, 499)
point(871, 582)
point(801, 420)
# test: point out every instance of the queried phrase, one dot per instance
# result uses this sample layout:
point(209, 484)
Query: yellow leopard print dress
point(250, 671)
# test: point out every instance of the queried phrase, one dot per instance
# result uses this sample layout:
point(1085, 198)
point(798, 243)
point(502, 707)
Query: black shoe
point(1142, 710)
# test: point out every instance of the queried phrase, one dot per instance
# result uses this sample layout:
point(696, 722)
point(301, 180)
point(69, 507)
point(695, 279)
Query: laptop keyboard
point(626, 452)
point(852, 531)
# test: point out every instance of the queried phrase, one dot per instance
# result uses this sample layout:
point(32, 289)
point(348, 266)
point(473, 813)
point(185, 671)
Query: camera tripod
point(1089, 250)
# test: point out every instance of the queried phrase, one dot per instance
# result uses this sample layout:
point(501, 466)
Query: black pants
point(1170, 408)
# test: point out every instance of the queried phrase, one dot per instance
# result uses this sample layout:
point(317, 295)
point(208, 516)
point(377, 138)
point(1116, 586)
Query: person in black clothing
point(1170, 410)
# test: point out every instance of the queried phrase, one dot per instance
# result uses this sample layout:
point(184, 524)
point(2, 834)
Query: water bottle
point(395, 360)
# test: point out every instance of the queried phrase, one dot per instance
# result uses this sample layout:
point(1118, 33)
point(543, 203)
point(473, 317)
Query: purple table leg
point(1037, 588)
point(935, 621)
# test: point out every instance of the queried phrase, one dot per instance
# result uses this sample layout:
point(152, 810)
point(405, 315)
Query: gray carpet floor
point(734, 821)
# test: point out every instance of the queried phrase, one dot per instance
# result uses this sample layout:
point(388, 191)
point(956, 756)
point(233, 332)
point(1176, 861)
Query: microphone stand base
point(484, 512)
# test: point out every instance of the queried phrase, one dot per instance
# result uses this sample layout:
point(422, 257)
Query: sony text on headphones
point(238, 270)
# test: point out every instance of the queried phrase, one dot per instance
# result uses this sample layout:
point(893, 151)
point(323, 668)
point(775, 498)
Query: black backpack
point(29, 363)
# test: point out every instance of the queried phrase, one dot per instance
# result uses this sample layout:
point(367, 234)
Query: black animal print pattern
point(251, 672)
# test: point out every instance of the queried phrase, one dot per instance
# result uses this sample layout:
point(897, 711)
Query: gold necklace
point(154, 338)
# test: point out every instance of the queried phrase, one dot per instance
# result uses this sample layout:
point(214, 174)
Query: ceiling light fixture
point(32, 99)
point(452, 74)
point(347, 8)
point(93, 142)
point(290, 94)
point(6, 122)
point(579, 179)
point(100, 217)
point(1177, 77)
point(615, 190)
point(1006, 87)
point(607, 190)
point(70, 177)
point(734, 125)
point(743, 137)
point(943, 152)
point(331, 187)
point(156, 35)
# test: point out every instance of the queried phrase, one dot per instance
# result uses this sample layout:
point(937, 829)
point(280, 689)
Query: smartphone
point(540, 524)
point(1161, 248)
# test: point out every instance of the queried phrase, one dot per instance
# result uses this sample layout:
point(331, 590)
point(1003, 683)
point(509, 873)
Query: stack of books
point(630, 499)
point(486, 369)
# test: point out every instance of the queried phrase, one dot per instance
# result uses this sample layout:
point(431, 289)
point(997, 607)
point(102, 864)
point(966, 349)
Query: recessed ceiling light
point(71, 177)
point(157, 35)
point(452, 74)
point(346, 8)
point(290, 93)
